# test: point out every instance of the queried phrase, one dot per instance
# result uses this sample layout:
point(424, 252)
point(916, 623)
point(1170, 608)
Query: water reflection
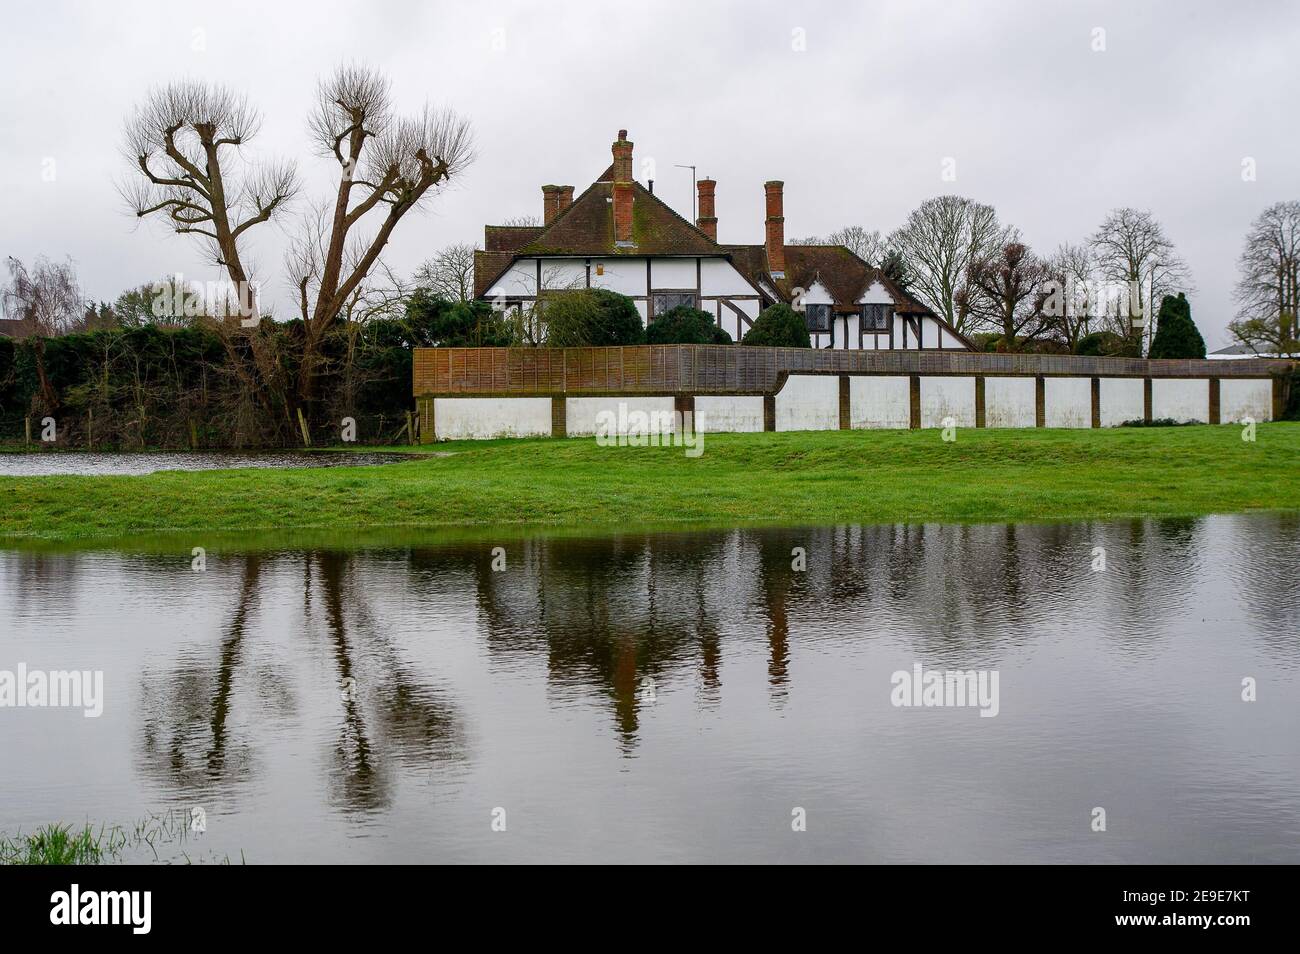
point(398, 690)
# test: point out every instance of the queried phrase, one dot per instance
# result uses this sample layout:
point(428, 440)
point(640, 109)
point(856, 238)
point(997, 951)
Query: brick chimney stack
point(566, 199)
point(775, 240)
point(707, 222)
point(550, 203)
point(622, 190)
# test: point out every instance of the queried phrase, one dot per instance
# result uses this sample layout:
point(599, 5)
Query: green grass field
point(783, 479)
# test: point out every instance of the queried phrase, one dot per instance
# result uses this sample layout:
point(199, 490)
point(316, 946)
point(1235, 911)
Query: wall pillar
point(559, 417)
point(1096, 402)
point(979, 400)
point(1214, 401)
point(914, 400)
point(684, 406)
point(1279, 396)
point(769, 412)
point(845, 420)
point(1040, 401)
point(1146, 400)
point(424, 407)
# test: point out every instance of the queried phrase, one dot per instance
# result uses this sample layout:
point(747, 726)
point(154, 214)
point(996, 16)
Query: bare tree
point(522, 222)
point(187, 141)
point(1131, 249)
point(1006, 288)
point(450, 273)
point(939, 241)
point(1268, 290)
point(45, 299)
point(1071, 306)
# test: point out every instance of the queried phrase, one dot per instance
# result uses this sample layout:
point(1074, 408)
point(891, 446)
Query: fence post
point(306, 434)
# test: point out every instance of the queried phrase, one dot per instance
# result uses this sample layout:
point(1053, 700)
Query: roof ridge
point(685, 221)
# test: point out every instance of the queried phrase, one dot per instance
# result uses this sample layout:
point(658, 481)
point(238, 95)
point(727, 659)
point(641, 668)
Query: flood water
point(678, 697)
point(95, 464)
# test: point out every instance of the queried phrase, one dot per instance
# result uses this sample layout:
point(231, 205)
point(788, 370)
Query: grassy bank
point(791, 478)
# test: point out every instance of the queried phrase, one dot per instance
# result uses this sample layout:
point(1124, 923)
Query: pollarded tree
point(188, 144)
point(1006, 288)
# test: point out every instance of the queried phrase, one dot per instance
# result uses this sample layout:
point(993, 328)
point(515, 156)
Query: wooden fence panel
point(736, 369)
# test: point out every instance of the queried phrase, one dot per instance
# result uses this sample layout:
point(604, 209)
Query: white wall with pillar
point(943, 397)
point(1181, 399)
point(809, 402)
point(879, 401)
point(480, 418)
point(1245, 397)
point(1067, 402)
point(1009, 402)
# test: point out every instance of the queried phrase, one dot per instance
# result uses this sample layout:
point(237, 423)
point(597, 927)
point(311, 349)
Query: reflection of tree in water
point(385, 715)
point(623, 615)
point(411, 723)
point(186, 737)
point(610, 614)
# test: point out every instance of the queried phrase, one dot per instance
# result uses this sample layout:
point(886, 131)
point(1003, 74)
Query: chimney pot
point(622, 189)
point(550, 203)
point(707, 221)
point(775, 231)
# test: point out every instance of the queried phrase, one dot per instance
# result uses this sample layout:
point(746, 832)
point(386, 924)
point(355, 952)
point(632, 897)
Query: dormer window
point(818, 317)
point(876, 317)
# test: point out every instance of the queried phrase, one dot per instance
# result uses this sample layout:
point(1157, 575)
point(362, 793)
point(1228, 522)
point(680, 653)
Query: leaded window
point(876, 317)
point(818, 317)
point(666, 301)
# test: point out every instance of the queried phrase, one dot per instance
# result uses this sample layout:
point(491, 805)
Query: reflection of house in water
point(614, 614)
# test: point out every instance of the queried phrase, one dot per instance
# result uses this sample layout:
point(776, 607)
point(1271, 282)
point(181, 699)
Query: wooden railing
point(736, 369)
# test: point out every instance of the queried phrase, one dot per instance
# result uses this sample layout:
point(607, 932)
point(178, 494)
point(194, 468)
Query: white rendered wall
point(943, 396)
point(1121, 400)
point(673, 273)
point(481, 418)
point(950, 340)
point(1245, 397)
point(728, 413)
point(719, 277)
point(623, 275)
point(878, 401)
point(809, 402)
point(1009, 402)
point(582, 415)
point(1067, 402)
point(1183, 399)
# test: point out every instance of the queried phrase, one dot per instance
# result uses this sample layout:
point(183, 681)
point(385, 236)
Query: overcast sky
point(855, 105)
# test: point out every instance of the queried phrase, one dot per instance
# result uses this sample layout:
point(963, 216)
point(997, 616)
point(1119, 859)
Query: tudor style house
point(619, 236)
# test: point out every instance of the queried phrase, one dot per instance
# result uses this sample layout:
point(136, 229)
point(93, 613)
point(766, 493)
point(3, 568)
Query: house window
point(876, 317)
point(665, 300)
point(818, 317)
